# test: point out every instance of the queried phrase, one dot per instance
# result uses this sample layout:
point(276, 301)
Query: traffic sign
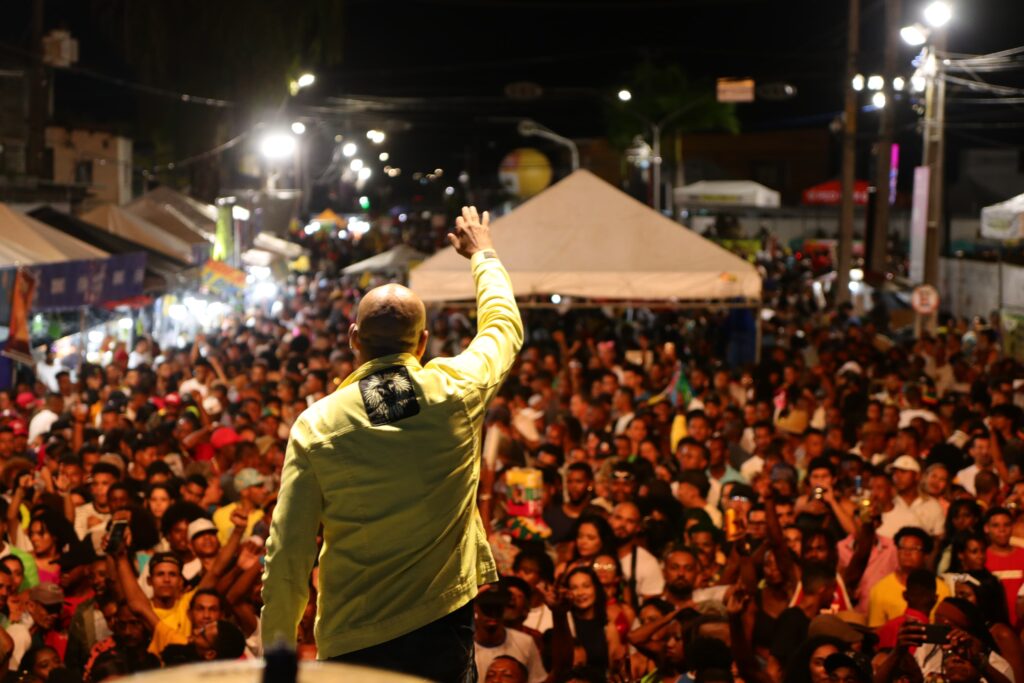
point(925, 300)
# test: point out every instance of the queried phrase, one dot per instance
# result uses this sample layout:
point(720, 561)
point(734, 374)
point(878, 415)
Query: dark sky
point(457, 55)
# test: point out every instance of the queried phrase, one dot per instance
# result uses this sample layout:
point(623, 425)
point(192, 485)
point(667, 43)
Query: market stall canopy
point(26, 241)
point(278, 246)
point(1005, 220)
point(585, 238)
point(398, 259)
point(161, 269)
point(726, 193)
point(830, 193)
point(186, 218)
point(122, 223)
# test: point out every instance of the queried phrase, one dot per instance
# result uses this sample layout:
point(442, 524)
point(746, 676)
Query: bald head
point(391, 319)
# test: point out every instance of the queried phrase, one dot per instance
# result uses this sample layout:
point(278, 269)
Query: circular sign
point(524, 172)
point(925, 300)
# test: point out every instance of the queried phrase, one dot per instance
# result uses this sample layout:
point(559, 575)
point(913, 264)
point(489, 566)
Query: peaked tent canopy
point(399, 258)
point(585, 238)
point(724, 193)
point(26, 241)
point(184, 217)
point(1005, 220)
point(160, 268)
point(122, 223)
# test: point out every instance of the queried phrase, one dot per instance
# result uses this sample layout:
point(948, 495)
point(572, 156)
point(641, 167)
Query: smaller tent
point(26, 241)
point(123, 223)
point(1005, 220)
point(398, 259)
point(726, 193)
point(830, 193)
point(189, 219)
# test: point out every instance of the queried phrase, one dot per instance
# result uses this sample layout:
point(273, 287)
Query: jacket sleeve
point(489, 357)
point(291, 548)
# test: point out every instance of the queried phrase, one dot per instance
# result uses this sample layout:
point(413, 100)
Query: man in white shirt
point(44, 419)
point(906, 474)
point(978, 448)
point(492, 639)
point(626, 522)
point(91, 518)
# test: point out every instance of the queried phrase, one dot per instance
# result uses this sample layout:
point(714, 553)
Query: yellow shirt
point(886, 601)
point(174, 626)
point(389, 463)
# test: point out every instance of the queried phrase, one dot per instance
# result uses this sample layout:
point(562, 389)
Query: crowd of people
point(847, 509)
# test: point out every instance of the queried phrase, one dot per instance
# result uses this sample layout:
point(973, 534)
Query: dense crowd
point(846, 509)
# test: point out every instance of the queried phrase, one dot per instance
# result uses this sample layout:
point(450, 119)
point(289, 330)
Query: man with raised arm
point(389, 464)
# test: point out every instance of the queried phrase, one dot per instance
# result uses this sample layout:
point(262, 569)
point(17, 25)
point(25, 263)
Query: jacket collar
point(370, 367)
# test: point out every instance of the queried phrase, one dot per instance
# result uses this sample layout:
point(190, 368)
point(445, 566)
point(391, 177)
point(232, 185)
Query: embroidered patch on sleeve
point(389, 396)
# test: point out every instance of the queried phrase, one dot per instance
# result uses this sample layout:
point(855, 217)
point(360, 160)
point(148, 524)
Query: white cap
point(200, 526)
point(905, 462)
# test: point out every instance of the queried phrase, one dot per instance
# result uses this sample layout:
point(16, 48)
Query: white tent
point(585, 238)
point(1005, 220)
point(726, 193)
point(399, 258)
point(122, 223)
point(187, 219)
point(26, 241)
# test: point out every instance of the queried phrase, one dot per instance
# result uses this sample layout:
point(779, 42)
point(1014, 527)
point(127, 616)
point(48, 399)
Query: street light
point(306, 80)
point(528, 128)
point(876, 82)
point(625, 95)
point(655, 128)
point(277, 145)
point(878, 99)
point(938, 13)
point(349, 149)
point(915, 35)
point(298, 128)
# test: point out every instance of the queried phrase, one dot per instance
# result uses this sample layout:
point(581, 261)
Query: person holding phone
point(388, 464)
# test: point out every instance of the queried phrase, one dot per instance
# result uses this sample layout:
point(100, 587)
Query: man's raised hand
point(471, 234)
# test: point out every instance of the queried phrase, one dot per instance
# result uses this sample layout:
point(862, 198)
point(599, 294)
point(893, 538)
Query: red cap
point(223, 436)
point(26, 399)
point(18, 427)
point(172, 399)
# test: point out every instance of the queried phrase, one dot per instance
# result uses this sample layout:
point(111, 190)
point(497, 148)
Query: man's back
point(390, 463)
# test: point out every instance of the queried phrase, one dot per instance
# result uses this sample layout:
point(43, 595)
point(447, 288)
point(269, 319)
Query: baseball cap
point(200, 526)
point(248, 477)
point(851, 366)
point(26, 399)
point(223, 436)
point(832, 626)
point(158, 558)
point(172, 399)
point(18, 427)
point(47, 594)
point(905, 462)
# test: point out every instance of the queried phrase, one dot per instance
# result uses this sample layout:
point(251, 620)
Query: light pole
point(937, 16)
point(844, 257)
point(528, 128)
point(656, 127)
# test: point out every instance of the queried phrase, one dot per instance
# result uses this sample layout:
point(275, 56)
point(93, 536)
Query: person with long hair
point(592, 537)
point(617, 602)
point(49, 533)
point(963, 516)
point(596, 638)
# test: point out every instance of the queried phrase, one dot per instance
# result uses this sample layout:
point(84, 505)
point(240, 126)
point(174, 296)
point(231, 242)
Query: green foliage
point(659, 92)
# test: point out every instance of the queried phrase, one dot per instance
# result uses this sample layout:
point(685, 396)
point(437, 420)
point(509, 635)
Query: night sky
point(456, 56)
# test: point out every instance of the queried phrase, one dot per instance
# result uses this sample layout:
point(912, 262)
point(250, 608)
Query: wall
point(100, 160)
point(970, 288)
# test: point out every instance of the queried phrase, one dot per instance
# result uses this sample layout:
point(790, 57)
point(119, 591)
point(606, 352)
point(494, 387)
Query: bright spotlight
point(878, 99)
point(918, 83)
point(277, 145)
point(915, 35)
point(858, 82)
point(938, 13)
point(383, 156)
point(625, 95)
point(365, 173)
point(298, 128)
point(876, 83)
point(306, 80)
point(898, 84)
point(349, 149)
point(356, 165)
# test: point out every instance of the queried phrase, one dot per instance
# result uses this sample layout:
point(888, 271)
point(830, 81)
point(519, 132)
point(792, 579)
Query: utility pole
point(883, 157)
point(38, 100)
point(935, 155)
point(845, 255)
